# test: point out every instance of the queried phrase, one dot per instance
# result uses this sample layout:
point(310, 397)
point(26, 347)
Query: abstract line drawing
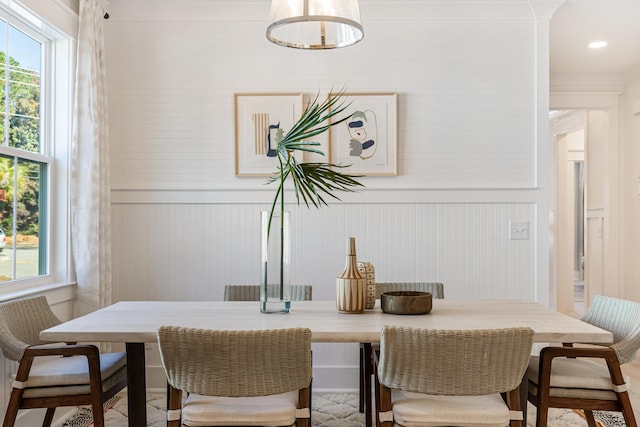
point(261, 126)
point(266, 135)
point(261, 120)
point(367, 142)
point(274, 136)
point(363, 130)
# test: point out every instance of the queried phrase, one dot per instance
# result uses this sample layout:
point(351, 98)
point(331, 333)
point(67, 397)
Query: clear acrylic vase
point(275, 287)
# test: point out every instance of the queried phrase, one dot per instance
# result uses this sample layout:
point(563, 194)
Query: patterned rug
point(329, 410)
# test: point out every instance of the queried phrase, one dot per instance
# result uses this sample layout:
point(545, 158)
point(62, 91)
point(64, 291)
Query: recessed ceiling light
point(597, 45)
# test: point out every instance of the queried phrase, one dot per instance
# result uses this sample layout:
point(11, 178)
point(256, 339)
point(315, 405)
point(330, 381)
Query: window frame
point(57, 94)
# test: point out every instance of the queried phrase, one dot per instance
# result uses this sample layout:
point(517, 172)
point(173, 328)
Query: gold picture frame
point(260, 118)
point(367, 141)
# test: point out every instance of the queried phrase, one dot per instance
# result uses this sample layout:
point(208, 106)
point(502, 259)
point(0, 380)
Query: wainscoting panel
point(182, 251)
point(190, 251)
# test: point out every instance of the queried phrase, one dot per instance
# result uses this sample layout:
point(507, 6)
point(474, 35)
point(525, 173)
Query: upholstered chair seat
point(269, 411)
point(581, 379)
point(58, 376)
point(412, 409)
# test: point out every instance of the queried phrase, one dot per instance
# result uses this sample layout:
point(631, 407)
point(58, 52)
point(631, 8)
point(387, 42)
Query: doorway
point(569, 216)
point(579, 237)
point(578, 206)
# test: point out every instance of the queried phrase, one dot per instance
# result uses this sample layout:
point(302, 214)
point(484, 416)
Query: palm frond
point(316, 118)
point(312, 182)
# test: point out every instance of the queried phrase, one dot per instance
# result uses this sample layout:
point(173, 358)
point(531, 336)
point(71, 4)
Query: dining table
point(136, 323)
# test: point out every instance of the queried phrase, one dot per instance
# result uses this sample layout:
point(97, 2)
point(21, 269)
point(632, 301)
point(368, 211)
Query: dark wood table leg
point(362, 381)
point(368, 371)
point(136, 385)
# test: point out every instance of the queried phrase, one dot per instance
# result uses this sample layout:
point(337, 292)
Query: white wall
point(469, 98)
point(630, 186)
point(466, 91)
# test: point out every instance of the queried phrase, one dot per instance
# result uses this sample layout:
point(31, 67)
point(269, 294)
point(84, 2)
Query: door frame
point(569, 140)
point(609, 102)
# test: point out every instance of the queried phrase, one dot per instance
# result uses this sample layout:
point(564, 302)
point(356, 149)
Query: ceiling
point(578, 22)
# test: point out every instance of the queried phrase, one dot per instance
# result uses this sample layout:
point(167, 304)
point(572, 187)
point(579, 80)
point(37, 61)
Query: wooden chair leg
point(304, 401)
point(385, 406)
point(543, 386)
point(310, 403)
point(377, 400)
point(627, 409)
point(588, 415)
point(98, 413)
point(48, 417)
point(513, 402)
point(168, 394)
point(174, 403)
point(623, 396)
point(542, 412)
point(12, 408)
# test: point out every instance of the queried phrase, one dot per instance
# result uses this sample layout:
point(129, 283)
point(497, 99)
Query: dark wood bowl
point(406, 302)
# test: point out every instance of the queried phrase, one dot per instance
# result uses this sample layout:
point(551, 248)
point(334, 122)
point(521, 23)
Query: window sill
point(56, 292)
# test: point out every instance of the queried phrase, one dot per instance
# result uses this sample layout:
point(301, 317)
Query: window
point(35, 74)
point(21, 178)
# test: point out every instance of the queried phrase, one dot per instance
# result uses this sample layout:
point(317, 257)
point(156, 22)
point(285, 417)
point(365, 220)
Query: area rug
point(328, 410)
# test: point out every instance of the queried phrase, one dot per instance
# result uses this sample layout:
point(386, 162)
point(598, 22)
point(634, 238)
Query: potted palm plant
point(311, 183)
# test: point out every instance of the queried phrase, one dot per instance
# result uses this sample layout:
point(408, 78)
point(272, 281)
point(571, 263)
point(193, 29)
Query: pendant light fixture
point(315, 24)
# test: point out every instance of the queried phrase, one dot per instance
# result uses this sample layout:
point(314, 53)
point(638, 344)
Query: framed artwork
point(367, 141)
point(261, 120)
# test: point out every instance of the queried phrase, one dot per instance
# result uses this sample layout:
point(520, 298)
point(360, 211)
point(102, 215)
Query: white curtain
point(90, 175)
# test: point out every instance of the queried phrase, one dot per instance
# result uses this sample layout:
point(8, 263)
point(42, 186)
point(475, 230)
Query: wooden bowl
point(406, 302)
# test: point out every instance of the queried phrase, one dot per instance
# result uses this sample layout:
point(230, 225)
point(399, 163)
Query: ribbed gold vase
point(350, 284)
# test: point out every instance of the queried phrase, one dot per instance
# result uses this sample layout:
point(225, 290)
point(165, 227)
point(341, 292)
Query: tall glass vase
point(275, 287)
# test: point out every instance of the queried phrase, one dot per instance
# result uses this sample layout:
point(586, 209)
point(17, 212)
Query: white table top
point(138, 321)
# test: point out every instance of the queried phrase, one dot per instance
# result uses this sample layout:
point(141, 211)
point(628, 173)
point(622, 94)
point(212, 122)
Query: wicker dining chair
point(451, 377)
point(252, 292)
point(47, 375)
point(366, 349)
point(248, 378)
point(571, 377)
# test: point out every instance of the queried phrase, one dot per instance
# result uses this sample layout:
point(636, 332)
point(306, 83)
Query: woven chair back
point(436, 289)
point(252, 292)
point(236, 363)
point(622, 319)
point(21, 322)
point(454, 362)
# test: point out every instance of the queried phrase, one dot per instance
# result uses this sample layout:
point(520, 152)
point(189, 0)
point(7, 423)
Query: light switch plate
point(518, 230)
